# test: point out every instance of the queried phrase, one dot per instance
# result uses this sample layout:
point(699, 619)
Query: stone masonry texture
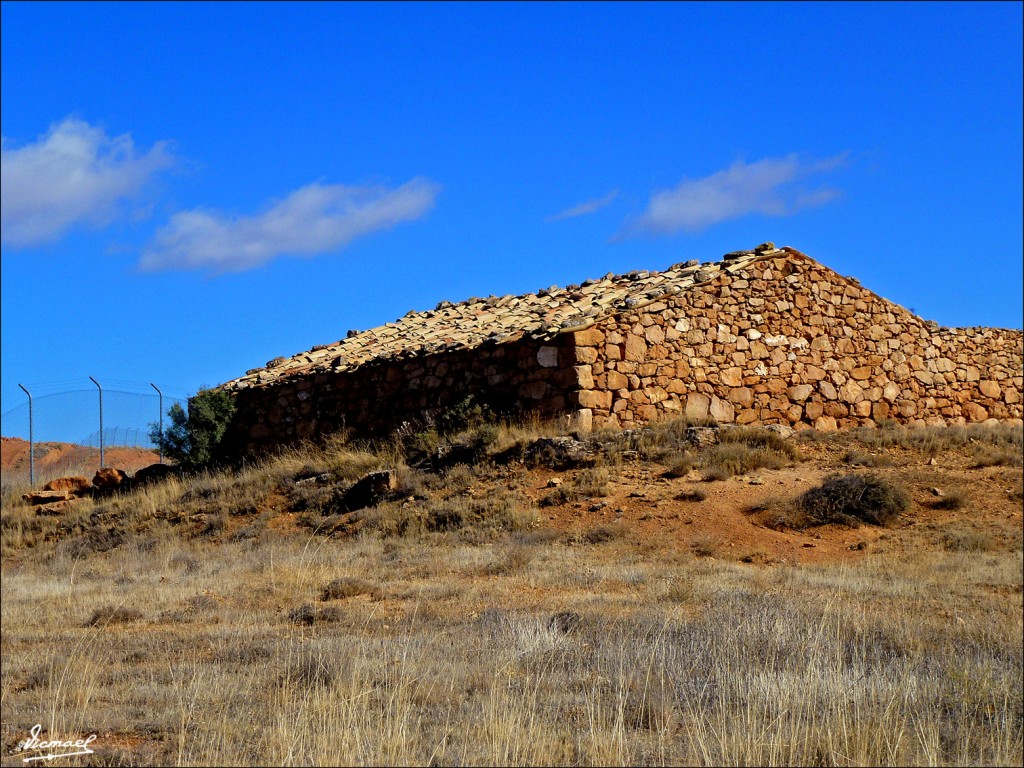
point(765, 336)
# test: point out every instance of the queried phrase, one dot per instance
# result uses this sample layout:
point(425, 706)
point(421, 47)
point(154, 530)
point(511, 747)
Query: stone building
point(766, 336)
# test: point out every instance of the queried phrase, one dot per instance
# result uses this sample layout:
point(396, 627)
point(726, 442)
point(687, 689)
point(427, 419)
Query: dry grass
point(818, 665)
point(488, 640)
point(930, 441)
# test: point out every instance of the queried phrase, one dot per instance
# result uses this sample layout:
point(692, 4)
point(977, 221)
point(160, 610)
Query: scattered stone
point(559, 453)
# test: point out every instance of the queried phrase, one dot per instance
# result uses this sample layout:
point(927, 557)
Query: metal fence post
point(31, 441)
point(102, 463)
point(160, 444)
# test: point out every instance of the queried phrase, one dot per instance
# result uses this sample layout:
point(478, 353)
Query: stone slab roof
point(501, 319)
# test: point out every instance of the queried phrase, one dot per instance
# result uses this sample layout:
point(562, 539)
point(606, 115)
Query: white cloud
point(769, 187)
point(314, 219)
point(73, 175)
point(584, 208)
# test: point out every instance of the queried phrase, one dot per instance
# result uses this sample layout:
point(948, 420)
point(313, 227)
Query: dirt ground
point(644, 503)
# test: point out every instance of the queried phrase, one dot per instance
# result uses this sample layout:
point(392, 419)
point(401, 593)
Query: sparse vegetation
point(681, 465)
point(344, 587)
point(952, 500)
point(586, 633)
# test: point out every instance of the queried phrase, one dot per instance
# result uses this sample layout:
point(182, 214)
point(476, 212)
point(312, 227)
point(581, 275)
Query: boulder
point(75, 485)
point(153, 473)
point(47, 497)
point(109, 479)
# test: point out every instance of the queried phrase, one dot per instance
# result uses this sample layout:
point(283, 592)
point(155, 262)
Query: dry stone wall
point(766, 336)
point(518, 377)
point(784, 340)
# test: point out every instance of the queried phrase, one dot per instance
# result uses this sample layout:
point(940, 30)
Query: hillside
point(620, 597)
point(54, 459)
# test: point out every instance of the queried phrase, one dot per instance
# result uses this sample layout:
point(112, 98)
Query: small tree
point(193, 440)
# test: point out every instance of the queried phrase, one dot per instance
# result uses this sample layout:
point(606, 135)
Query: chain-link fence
point(75, 432)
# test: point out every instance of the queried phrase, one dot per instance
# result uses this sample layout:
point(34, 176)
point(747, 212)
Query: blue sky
point(190, 190)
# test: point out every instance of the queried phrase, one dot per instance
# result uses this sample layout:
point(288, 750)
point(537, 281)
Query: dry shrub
point(733, 458)
point(535, 536)
point(110, 614)
point(566, 622)
point(563, 494)
point(854, 499)
point(779, 514)
point(480, 518)
point(954, 500)
point(344, 587)
point(646, 708)
point(510, 560)
point(592, 482)
point(309, 614)
point(756, 437)
point(858, 459)
point(692, 494)
point(932, 441)
point(309, 673)
point(681, 465)
point(603, 533)
point(706, 545)
point(459, 478)
point(961, 539)
point(995, 456)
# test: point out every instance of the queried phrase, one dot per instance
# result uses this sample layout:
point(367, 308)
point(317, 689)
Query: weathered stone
point(990, 389)
point(825, 424)
point(548, 357)
point(635, 348)
point(47, 497)
point(370, 490)
point(800, 392)
point(595, 399)
point(153, 473)
point(821, 344)
point(742, 396)
point(109, 479)
point(974, 412)
point(721, 411)
point(75, 485)
point(584, 376)
point(591, 337)
point(697, 406)
point(851, 392)
point(731, 377)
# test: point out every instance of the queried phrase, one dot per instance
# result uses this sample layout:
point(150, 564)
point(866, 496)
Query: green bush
point(467, 414)
point(853, 499)
point(194, 440)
